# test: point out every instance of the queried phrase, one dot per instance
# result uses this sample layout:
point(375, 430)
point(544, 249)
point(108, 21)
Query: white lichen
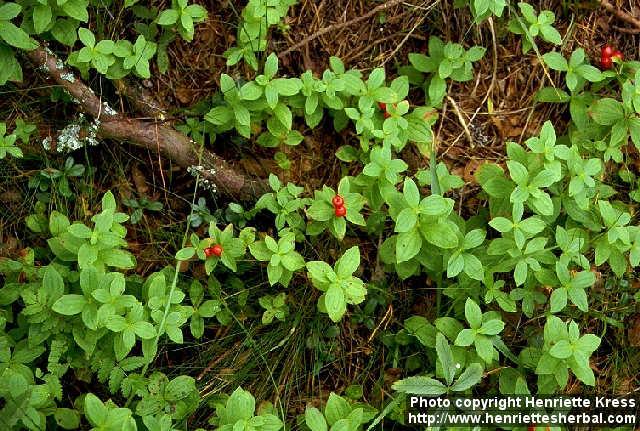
point(68, 76)
point(69, 139)
point(59, 64)
point(108, 109)
point(46, 143)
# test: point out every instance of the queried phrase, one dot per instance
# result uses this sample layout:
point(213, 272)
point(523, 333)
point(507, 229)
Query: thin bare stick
point(408, 35)
point(151, 135)
point(494, 74)
point(338, 26)
point(620, 14)
point(462, 120)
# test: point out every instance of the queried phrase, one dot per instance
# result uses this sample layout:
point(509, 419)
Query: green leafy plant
point(564, 349)
point(183, 15)
point(339, 285)
point(534, 25)
point(283, 259)
point(239, 412)
point(7, 143)
point(274, 307)
point(141, 205)
point(256, 20)
point(445, 61)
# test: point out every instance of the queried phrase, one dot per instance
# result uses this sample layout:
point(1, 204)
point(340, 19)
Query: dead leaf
point(139, 180)
point(633, 333)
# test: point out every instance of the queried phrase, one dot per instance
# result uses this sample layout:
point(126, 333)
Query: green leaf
point(558, 300)
point(607, 111)
point(552, 95)
point(441, 234)
point(588, 343)
point(41, 17)
point(445, 356)
point(501, 224)
point(465, 337)
point(58, 223)
point(336, 408)
point(408, 245)
point(473, 239)
point(240, 406)
point(68, 419)
point(64, 31)
point(517, 171)
point(144, 330)
point(561, 350)
point(472, 313)
point(271, 66)
point(348, 263)
point(469, 378)
point(420, 385)
point(555, 61)
point(183, 386)
point(335, 303)
point(455, 265)
point(9, 11)
point(95, 411)
point(185, 253)
point(69, 304)
point(473, 267)
point(484, 348)
point(315, 420)
point(76, 9)
point(168, 17)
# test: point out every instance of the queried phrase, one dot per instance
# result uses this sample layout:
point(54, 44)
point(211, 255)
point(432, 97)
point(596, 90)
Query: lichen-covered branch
point(153, 135)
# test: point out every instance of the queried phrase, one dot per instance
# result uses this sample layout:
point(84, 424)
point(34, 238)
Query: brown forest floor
point(496, 107)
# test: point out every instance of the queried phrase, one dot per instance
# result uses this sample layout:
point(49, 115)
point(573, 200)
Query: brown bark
point(152, 135)
point(620, 14)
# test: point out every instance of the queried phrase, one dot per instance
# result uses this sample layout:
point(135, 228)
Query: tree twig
point(620, 14)
point(338, 26)
point(151, 135)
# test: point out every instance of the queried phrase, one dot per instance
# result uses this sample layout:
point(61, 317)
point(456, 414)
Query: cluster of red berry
point(338, 206)
point(215, 250)
point(607, 54)
point(383, 108)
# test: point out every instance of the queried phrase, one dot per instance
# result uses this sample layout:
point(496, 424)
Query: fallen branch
point(338, 26)
point(620, 14)
point(155, 136)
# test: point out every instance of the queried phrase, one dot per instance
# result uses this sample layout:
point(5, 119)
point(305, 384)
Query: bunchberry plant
point(445, 61)
point(7, 143)
point(275, 307)
point(339, 285)
point(283, 259)
point(182, 16)
point(141, 205)
point(256, 20)
point(531, 25)
point(550, 220)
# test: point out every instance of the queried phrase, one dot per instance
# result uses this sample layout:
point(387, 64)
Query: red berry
point(337, 201)
point(216, 250)
point(386, 114)
point(382, 106)
point(606, 63)
point(617, 54)
point(607, 51)
point(531, 428)
point(340, 211)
